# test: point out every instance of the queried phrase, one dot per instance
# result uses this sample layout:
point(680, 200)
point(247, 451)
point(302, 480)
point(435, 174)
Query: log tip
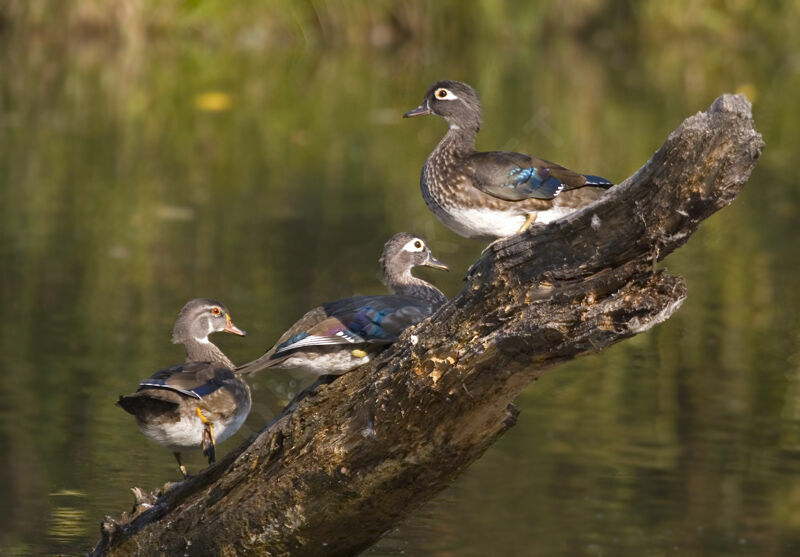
point(730, 108)
point(732, 103)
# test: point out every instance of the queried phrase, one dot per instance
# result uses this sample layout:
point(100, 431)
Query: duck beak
point(231, 328)
point(436, 264)
point(421, 110)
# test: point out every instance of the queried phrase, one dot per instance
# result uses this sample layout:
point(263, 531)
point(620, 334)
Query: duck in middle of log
point(339, 336)
point(200, 402)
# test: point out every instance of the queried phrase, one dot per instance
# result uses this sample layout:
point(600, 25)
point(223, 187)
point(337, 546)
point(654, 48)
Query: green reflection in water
point(266, 163)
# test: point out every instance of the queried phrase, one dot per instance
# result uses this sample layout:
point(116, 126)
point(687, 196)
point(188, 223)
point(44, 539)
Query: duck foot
point(181, 467)
point(209, 443)
point(209, 446)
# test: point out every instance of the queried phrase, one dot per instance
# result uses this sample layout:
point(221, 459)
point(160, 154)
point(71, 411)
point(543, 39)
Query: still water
point(134, 178)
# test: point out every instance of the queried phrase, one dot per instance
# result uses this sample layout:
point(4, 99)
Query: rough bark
point(348, 459)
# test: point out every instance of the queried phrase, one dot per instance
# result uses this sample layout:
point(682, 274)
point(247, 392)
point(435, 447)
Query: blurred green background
point(152, 151)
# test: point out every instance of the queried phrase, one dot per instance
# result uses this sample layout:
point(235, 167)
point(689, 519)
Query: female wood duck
point(494, 194)
point(200, 402)
point(339, 336)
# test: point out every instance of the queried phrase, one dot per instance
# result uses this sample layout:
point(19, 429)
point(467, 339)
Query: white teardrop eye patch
point(414, 245)
point(443, 94)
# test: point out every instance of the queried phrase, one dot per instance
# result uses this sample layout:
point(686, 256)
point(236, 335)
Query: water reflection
point(67, 524)
point(133, 179)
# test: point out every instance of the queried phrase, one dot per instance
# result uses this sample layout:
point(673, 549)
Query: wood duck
point(497, 193)
point(339, 336)
point(200, 402)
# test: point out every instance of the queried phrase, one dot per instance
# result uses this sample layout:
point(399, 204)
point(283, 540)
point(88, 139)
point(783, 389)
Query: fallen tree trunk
point(347, 460)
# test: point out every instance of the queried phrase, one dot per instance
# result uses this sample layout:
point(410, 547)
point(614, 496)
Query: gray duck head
point(454, 101)
point(201, 317)
point(403, 252)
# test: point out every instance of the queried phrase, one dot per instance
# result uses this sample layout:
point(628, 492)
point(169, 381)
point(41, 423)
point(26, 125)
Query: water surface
point(133, 178)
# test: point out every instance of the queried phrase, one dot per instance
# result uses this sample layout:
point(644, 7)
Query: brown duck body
point(166, 405)
point(200, 402)
point(449, 189)
point(339, 336)
point(493, 194)
point(334, 342)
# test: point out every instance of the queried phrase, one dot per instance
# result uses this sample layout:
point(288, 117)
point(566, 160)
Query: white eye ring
point(442, 94)
point(414, 246)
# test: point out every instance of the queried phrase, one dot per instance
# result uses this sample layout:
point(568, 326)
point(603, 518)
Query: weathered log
point(349, 458)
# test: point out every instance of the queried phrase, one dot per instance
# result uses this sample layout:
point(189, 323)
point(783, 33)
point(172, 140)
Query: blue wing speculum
point(367, 323)
point(535, 182)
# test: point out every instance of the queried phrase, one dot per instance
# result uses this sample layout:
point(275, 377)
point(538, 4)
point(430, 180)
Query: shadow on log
point(347, 460)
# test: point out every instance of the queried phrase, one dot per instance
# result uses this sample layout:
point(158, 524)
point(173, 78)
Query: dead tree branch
point(344, 463)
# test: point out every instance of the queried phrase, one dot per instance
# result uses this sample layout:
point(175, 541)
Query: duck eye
point(216, 310)
point(442, 93)
point(418, 244)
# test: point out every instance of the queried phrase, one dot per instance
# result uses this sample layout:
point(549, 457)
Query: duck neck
point(203, 350)
point(459, 141)
point(407, 284)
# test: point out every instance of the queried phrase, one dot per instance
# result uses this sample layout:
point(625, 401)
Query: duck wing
point(516, 176)
point(191, 382)
point(356, 320)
